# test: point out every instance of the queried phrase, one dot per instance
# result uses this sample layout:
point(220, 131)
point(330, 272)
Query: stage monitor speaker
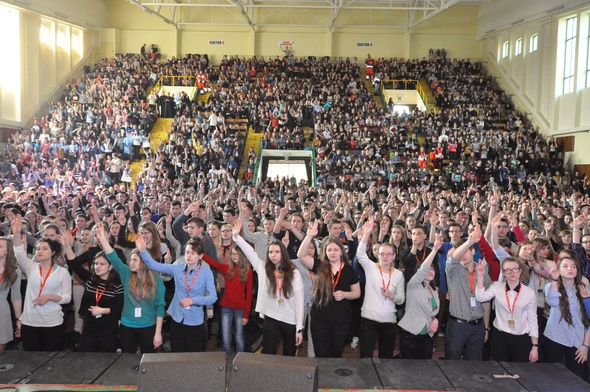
point(260, 372)
point(182, 372)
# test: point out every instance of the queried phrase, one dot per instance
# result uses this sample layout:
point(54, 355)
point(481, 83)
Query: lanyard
point(383, 280)
point(311, 276)
point(2, 276)
point(43, 281)
point(187, 287)
point(98, 295)
point(418, 261)
point(335, 283)
point(472, 280)
point(511, 308)
point(280, 282)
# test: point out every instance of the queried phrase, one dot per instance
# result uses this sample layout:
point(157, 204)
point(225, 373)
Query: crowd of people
point(382, 248)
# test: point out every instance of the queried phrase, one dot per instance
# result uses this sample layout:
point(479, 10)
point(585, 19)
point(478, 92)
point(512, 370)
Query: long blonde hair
point(145, 276)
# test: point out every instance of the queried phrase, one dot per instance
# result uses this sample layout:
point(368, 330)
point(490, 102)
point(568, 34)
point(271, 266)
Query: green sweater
point(151, 308)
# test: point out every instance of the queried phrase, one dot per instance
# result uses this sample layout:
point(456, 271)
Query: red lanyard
point(2, 276)
point(418, 261)
point(98, 295)
point(383, 280)
point(472, 280)
point(189, 288)
point(279, 282)
point(335, 283)
point(511, 308)
point(43, 281)
point(540, 280)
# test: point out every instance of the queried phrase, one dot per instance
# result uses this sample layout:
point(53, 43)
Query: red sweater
point(237, 294)
point(491, 259)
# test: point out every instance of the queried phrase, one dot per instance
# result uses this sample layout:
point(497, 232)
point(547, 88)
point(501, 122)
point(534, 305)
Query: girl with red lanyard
point(102, 301)
point(280, 295)
point(515, 335)
point(384, 289)
point(336, 284)
point(49, 286)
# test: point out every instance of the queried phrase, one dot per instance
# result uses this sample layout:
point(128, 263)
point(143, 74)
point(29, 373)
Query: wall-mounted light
point(555, 9)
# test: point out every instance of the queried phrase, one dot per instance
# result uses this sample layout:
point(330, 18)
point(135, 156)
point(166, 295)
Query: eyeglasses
point(226, 231)
point(511, 270)
point(386, 254)
point(234, 254)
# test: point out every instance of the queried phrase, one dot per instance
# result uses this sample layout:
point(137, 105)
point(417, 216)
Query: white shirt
point(523, 305)
point(291, 311)
point(59, 282)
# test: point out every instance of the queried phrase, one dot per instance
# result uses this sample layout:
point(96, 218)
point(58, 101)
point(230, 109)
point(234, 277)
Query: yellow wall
point(134, 27)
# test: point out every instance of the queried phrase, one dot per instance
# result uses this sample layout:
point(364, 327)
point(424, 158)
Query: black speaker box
point(261, 373)
point(182, 372)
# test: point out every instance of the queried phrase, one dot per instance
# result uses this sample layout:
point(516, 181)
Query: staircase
point(158, 134)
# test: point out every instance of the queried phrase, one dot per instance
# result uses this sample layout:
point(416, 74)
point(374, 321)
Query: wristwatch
point(300, 330)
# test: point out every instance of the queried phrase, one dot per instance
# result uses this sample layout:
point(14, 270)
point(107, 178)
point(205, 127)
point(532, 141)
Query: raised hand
point(140, 243)
point(285, 239)
point(237, 227)
point(312, 230)
point(480, 268)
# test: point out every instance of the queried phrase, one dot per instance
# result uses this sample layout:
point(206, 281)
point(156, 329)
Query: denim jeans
point(231, 317)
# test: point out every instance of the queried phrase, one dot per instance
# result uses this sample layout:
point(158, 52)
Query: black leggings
point(131, 338)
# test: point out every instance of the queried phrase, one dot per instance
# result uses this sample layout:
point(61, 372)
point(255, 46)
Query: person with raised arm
point(49, 286)
point(101, 302)
point(143, 305)
point(467, 329)
point(335, 285)
point(280, 295)
point(194, 289)
point(384, 289)
point(419, 323)
point(515, 332)
point(307, 263)
point(567, 334)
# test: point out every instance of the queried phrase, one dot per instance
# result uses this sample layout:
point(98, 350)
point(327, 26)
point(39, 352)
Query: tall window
point(518, 47)
point(44, 35)
point(569, 54)
point(505, 49)
point(533, 43)
point(61, 39)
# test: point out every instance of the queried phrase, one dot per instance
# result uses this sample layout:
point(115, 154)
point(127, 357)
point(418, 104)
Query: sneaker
point(355, 343)
point(441, 334)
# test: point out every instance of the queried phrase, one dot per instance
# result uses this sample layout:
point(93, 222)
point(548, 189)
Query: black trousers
point(558, 353)
point(272, 331)
point(187, 338)
point(131, 338)
point(510, 348)
point(415, 346)
point(329, 336)
point(373, 331)
point(99, 340)
point(43, 338)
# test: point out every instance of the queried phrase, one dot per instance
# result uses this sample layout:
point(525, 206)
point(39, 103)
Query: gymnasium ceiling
point(331, 14)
